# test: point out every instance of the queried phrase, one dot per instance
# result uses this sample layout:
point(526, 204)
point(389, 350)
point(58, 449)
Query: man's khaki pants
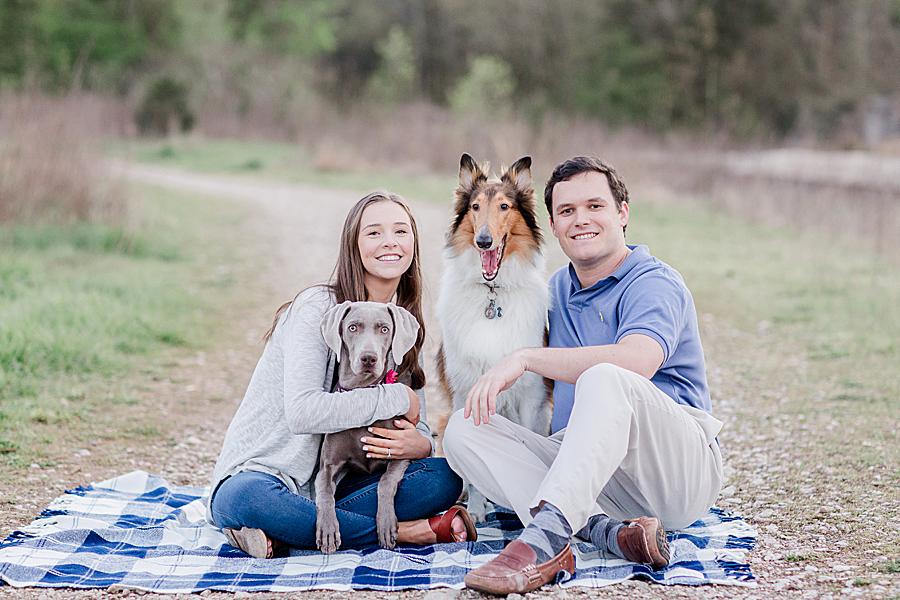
point(628, 451)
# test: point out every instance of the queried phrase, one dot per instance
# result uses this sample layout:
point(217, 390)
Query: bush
point(487, 87)
point(164, 107)
point(395, 79)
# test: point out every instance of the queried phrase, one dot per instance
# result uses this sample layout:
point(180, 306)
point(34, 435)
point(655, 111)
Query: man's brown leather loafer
point(643, 540)
point(514, 570)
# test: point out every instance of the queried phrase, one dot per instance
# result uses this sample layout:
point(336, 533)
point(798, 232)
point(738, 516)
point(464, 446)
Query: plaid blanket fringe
point(136, 531)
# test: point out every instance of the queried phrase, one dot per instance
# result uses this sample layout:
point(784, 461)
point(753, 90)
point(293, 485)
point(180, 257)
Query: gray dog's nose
point(484, 240)
point(368, 360)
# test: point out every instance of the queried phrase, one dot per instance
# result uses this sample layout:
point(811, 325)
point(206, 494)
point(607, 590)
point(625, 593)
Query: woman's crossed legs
point(262, 501)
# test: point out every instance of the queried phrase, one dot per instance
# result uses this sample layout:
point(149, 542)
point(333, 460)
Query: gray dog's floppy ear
point(406, 329)
point(331, 326)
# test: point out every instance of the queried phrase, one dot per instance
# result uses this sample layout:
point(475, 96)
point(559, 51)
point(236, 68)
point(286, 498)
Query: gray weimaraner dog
point(361, 334)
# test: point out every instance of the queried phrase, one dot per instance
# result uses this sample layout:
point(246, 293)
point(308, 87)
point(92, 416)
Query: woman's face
point(386, 241)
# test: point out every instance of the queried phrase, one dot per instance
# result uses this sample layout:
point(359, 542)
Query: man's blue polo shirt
point(644, 295)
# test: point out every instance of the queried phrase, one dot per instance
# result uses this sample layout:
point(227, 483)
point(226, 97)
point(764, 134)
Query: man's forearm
point(643, 356)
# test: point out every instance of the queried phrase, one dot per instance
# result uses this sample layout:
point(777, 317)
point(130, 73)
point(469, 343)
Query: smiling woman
point(263, 491)
point(386, 246)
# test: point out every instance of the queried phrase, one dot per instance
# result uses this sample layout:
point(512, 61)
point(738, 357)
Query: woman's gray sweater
point(289, 405)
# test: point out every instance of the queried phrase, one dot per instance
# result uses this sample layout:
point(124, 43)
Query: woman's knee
point(452, 483)
point(245, 495)
point(445, 485)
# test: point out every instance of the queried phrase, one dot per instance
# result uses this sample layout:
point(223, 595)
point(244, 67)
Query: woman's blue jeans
point(262, 501)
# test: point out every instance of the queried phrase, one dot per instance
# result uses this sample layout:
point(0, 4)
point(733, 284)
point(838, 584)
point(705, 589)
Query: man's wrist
point(526, 358)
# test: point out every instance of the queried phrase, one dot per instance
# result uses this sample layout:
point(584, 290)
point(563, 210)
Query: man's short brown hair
point(582, 164)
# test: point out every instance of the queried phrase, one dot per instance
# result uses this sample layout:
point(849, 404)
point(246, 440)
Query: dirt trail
point(290, 242)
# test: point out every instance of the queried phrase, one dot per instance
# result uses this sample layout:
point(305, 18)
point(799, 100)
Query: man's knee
point(599, 374)
point(602, 383)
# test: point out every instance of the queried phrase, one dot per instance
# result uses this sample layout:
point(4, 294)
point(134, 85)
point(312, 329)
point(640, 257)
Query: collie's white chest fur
point(472, 343)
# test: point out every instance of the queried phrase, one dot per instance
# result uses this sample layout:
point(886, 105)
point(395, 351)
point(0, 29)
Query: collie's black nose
point(484, 240)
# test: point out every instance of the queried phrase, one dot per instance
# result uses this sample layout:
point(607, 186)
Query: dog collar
point(389, 377)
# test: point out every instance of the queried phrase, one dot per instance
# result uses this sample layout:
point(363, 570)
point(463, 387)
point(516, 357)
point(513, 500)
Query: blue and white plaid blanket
point(137, 531)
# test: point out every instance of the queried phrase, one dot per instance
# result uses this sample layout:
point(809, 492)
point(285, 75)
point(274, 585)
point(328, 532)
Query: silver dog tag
point(490, 312)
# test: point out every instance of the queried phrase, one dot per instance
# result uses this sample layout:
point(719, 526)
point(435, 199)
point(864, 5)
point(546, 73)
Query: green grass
point(82, 306)
point(891, 566)
point(794, 558)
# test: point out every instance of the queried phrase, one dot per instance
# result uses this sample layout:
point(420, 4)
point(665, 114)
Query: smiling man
point(633, 446)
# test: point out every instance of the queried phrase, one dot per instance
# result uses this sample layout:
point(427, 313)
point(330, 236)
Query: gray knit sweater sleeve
point(308, 408)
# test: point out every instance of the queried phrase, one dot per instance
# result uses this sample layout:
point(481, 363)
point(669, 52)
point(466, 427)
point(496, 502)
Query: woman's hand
point(482, 399)
point(405, 442)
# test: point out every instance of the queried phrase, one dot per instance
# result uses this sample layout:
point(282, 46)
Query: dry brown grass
point(49, 172)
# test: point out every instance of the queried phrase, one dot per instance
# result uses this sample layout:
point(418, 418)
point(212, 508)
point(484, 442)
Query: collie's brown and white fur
point(494, 243)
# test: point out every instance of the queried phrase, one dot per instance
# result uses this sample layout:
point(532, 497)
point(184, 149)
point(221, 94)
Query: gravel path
point(293, 238)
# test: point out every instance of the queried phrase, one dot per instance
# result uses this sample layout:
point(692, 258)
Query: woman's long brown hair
point(348, 280)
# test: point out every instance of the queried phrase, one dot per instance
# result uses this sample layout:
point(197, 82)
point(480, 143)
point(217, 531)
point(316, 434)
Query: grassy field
point(814, 323)
point(84, 307)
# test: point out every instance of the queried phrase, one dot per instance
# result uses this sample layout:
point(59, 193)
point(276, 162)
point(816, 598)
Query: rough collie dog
point(494, 294)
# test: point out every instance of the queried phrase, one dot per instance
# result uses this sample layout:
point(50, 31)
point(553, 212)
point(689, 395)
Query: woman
point(262, 483)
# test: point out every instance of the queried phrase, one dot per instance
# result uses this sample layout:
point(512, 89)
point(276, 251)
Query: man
point(633, 447)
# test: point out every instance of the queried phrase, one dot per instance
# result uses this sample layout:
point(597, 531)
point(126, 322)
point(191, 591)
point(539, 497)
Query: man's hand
point(402, 443)
point(482, 399)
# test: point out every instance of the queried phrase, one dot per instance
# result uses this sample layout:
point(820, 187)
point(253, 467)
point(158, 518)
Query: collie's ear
point(469, 172)
point(406, 329)
point(519, 174)
point(331, 326)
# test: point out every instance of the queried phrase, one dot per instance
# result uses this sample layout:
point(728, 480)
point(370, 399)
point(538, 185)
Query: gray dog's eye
point(351, 328)
point(385, 330)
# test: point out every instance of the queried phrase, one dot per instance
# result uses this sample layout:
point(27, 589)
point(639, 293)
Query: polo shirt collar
point(638, 254)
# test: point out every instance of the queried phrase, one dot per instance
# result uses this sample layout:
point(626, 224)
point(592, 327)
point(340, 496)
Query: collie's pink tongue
point(490, 261)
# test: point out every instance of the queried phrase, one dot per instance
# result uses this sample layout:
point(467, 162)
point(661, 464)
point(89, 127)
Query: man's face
point(586, 221)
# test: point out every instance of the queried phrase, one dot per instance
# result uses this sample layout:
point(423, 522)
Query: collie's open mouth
point(490, 261)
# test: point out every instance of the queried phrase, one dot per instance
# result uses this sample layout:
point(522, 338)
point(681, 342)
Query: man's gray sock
point(603, 532)
point(548, 533)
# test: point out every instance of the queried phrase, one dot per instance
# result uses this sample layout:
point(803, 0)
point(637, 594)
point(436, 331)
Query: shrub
point(487, 87)
point(164, 108)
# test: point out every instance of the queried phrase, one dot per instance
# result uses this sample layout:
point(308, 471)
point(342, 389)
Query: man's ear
point(519, 174)
point(406, 329)
point(331, 326)
point(469, 173)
